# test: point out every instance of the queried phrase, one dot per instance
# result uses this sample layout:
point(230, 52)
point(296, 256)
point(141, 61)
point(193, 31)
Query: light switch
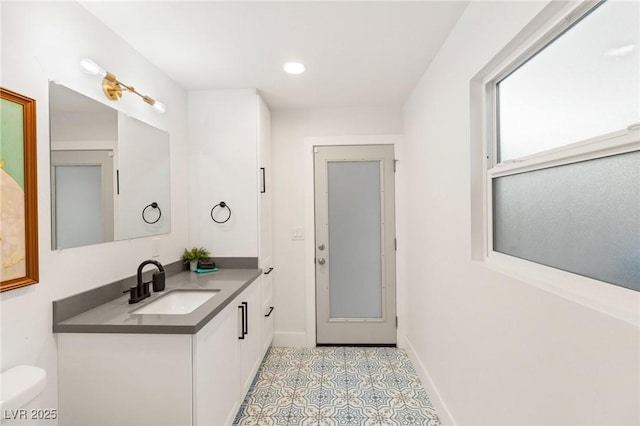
point(297, 234)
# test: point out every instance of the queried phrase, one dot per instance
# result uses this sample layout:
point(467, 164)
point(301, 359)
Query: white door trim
point(309, 224)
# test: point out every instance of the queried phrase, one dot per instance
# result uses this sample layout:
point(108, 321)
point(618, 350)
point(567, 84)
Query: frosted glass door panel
point(582, 218)
point(78, 197)
point(584, 84)
point(355, 270)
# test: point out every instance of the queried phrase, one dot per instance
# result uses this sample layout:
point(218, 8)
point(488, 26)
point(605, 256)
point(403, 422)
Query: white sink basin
point(177, 302)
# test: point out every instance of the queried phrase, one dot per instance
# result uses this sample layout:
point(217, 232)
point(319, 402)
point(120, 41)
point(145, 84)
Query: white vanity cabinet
point(227, 355)
point(230, 161)
point(264, 226)
point(216, 369)
point(124, 379)
point(268, 309)
point(163, 379)
point(249, 347)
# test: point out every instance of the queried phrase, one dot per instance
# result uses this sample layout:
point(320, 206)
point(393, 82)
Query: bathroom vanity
point(118, 366)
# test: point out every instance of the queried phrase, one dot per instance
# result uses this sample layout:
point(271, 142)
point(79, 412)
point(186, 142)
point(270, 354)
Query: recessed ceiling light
point(620, 51)
point(294, 68)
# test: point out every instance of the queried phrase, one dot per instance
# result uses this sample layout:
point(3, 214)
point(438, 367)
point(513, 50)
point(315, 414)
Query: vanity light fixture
point(294, 67)
point(112, 88)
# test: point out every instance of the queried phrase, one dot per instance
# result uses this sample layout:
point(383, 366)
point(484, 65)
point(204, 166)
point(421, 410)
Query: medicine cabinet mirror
point(109, 173)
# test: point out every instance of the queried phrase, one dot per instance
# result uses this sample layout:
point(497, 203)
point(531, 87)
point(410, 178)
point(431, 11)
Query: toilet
point(20, 389)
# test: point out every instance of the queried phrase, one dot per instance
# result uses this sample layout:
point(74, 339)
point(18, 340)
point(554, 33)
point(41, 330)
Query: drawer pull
point(270, 310)
point(243, 313)
point(245, 320)
point(269, 271)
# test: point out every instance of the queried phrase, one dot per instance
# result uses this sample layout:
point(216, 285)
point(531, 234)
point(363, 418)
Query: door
point(82, 197)
point(355, 245)
point(249, 335)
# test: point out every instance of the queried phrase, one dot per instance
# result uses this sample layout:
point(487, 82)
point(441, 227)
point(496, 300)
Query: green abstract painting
point(18, 192)
point(12, 140)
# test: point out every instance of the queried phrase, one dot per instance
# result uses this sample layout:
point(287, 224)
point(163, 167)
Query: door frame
point(309, 225)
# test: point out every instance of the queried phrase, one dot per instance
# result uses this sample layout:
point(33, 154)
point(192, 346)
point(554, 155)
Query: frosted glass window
point(78, 197)
point(355, 239)
point(582, 218)
point(582, 85)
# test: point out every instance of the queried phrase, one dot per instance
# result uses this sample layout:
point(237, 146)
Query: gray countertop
point(117, 316)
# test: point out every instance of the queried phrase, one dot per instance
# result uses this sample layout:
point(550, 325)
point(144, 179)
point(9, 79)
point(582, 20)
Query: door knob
point(321, 261)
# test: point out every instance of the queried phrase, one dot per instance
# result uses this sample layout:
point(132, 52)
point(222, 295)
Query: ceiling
point(356, 53)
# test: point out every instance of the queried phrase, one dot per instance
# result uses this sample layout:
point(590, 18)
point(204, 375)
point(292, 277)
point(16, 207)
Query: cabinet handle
point(270, 310)
point(241, 307)
point(269, 271)
point(245, 321)
point(264, 183)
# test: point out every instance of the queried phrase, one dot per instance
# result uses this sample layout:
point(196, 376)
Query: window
point(563, 172)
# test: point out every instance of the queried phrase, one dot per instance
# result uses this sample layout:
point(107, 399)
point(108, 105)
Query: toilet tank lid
point(20, 384)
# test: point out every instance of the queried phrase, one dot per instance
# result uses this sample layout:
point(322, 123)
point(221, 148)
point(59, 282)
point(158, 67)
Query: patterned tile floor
point(336, 386)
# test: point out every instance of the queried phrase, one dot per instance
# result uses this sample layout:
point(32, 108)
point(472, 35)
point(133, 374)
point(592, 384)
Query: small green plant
point(195, 254)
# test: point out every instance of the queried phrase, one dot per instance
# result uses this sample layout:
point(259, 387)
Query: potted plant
point(194, 255)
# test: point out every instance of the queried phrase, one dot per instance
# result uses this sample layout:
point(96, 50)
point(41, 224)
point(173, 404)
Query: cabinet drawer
point(267, 286)
point(268, 313)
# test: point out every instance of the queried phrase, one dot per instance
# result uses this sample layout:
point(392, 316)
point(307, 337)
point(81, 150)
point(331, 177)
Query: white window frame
point(613, 300)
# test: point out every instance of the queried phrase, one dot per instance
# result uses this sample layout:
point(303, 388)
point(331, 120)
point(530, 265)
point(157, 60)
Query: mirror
point(110, 175)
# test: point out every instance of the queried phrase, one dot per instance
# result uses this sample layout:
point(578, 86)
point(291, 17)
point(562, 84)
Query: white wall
point(42, 41)
point(496, 350)
point(289, 128)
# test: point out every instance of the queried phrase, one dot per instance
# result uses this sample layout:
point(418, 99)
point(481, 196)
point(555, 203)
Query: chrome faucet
point(141, 290)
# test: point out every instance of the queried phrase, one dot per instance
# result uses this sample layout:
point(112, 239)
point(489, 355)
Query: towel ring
point(153, 205)
point(223, 205)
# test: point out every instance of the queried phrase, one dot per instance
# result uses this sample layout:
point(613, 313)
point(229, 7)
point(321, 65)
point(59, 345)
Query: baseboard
point(290, 339)
point(441, 408)
point(402, 340)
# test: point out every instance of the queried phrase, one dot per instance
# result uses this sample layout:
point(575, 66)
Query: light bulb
point(92, 68)
point(159, 106)
point(294, 68)
point(620, 51)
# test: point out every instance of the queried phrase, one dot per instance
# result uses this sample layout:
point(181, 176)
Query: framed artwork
point(18, 191)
